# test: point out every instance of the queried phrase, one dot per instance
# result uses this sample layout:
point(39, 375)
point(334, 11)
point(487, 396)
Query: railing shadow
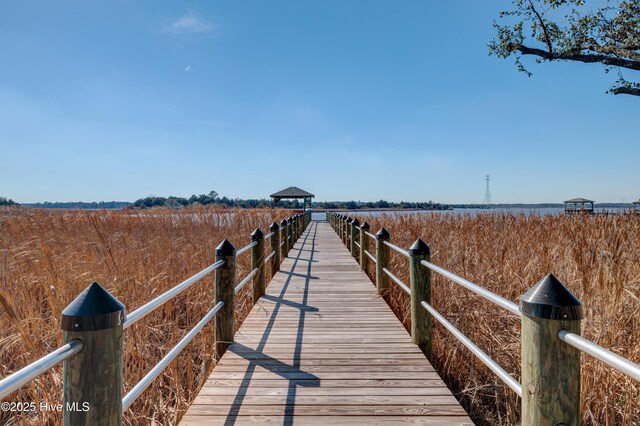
point(269, 363)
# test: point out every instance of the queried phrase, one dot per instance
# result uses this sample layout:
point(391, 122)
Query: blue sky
point(346, 99)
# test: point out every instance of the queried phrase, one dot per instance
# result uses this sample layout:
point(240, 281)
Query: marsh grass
point(596, 257)
point(48, 257)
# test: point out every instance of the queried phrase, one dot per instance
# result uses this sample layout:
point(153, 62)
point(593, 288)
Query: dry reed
point(596, 257)
point(48, 257)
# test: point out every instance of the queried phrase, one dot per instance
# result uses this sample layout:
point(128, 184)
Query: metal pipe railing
point(482, 356)
point(370, 235)
point(246, 280)
point(490, 296)
point(142, 311)
point(372, 257)
point(159, 367)
point(245, 248)
point(621, 364)
point(15, 381)
point(397, 281)
point(396, 248)
point(269, 235)
point(266, 259)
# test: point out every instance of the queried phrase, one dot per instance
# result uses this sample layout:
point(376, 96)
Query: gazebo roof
point(292, 192)
point(636, 202)
point(579, 201)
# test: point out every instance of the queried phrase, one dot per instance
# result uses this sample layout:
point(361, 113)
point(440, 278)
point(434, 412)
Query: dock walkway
point(320, 347)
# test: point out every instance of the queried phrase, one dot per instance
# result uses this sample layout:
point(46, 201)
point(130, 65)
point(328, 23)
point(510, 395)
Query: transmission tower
point(487, 192)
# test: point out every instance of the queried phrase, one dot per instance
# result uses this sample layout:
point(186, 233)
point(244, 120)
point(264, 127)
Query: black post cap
point(94, 309)
point(274, 227)
point(419, 248)
point(225, 249)
point(349, 220)
point(355, 222)
point(382, 233)
point(257, 235)
point(550, 299)
point(283, 222)
point(365, 226)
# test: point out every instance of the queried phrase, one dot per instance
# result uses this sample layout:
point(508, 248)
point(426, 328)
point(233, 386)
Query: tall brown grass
point(48, 257)
point(596, 257)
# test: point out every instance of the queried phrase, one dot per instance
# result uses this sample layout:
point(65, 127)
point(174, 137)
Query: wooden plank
point(322, 420)
point(330, 400)
point(331, 383)
point(254, 390)
point(324, 410)
point(319, 345)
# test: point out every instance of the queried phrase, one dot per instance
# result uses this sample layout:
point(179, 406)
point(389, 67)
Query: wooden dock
point(320, 347)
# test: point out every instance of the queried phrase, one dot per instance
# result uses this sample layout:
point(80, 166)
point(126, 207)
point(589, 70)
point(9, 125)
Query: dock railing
point(94, 322)
point(550, 315)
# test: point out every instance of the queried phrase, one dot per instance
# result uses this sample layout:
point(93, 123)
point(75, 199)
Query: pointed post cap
point(274, 227)
point(355, 222)
point(382, 233)
point(94, 309)
point(365, 226)
point(550, 299)
point(225, 249)
point(283, 222)
point(349, 220)
point(419, 248)
point(257, 235)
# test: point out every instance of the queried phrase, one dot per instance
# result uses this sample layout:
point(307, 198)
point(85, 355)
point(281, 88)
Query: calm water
point(542, 211)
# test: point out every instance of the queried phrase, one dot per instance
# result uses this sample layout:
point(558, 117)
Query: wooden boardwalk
point(321, 348)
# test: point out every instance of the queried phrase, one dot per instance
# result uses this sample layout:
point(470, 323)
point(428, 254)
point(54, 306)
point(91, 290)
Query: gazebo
point(636, 206)
point(579, 205)
point(293, 192)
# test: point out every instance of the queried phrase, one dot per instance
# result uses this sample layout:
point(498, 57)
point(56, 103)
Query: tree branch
point(620, 52)
point(544, 27)
point(581, 57)
point(624, 90)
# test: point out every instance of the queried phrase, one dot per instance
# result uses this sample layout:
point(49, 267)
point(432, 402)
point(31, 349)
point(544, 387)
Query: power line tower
point(487, 192)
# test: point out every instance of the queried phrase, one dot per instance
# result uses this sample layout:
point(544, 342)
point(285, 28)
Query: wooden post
point(420, 279)
point(363, 246)
point(355, 223)
point(92, 388)
point(283, 234)
point(347, 231)
point(225, 286)
point(257, 261)
point(294, 232)
point(275, 247)
point(289, 242)
point(382, 261)
point(345, 221)
point(550, 367)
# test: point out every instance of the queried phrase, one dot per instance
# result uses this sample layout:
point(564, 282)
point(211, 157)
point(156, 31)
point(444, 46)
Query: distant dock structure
point(293, 192)
point(636, 206)
point(579, 205)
